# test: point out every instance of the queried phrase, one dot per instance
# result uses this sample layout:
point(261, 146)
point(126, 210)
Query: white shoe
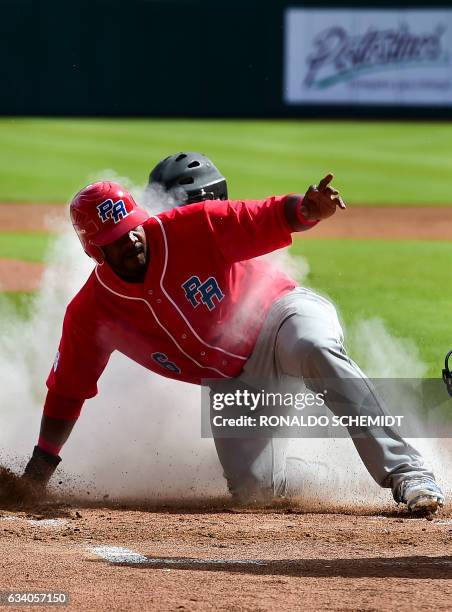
point(420, 494)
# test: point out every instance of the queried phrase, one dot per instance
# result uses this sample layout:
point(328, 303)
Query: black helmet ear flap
point(447, 374)
point(217, 191)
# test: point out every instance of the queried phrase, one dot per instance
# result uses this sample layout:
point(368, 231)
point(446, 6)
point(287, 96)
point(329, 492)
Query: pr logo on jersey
point(56, 361)
point(112, 210)
point(162, 360)
point(198, 292)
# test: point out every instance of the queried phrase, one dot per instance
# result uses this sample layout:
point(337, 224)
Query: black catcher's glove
point(447, 374)
point(41, 466)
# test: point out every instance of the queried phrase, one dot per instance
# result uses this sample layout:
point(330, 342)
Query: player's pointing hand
point(320, 201)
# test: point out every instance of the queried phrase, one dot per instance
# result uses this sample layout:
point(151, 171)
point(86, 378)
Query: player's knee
point(314, 348)
point(318, 355)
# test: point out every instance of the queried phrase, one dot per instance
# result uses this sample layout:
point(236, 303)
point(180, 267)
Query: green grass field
point(47, 160)
point(28, 246)
point(403, 283)
point(406, 284)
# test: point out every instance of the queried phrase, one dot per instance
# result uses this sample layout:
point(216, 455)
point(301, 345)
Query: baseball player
point(167, 291)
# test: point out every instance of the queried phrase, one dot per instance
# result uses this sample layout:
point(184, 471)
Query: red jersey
point(201, 306)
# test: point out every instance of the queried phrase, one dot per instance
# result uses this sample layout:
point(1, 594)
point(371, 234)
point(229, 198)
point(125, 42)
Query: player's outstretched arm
point(244, 229)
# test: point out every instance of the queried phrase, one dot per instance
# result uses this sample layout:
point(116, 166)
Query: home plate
point(117, 554)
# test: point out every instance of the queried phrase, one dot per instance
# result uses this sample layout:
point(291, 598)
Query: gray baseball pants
point(302, 338)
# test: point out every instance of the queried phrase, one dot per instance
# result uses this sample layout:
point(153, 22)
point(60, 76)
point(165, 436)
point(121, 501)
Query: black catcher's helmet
point(195, 173)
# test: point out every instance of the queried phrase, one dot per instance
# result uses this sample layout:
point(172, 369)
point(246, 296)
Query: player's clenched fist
point(320, 201)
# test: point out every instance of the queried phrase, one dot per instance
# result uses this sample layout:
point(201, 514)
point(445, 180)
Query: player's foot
point(420, 494)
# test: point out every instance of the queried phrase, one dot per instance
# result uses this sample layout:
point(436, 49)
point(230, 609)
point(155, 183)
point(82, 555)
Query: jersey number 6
point(162, 360)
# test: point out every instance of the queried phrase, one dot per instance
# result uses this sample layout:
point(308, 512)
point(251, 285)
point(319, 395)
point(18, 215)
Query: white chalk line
point(118, 554)
point(47, 522)
point(57, 523)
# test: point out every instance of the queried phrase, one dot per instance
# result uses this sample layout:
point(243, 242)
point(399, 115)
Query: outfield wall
point(205, 58)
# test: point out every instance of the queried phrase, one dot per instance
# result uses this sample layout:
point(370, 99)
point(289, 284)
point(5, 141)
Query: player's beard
point(132, 265)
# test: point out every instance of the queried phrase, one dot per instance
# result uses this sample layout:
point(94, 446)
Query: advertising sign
point(399, 57)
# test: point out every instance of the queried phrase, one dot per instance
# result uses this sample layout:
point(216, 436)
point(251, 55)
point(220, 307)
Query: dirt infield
point(228, 559)
point(16, 275)
point(398, 223)
point(29, 217)
point(381, 223)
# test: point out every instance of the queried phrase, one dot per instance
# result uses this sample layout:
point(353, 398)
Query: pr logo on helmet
point(112, 210)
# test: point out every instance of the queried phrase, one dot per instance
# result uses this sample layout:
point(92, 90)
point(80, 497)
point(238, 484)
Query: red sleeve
point(248, 229)
point(59, 407)
point(80, 360)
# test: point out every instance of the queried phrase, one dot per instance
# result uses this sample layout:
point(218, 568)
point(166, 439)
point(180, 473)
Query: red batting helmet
point(103, 212)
